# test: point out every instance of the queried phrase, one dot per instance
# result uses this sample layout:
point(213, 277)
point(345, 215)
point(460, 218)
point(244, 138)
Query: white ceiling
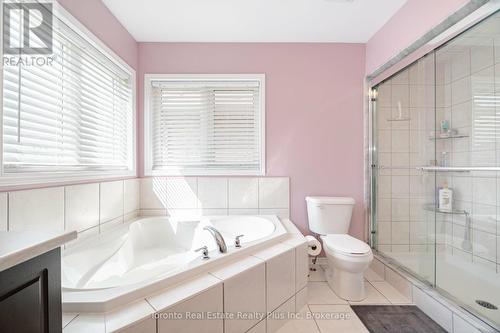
point(350, 21)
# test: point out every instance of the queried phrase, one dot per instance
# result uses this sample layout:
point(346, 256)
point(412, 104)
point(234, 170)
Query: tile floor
point(325, 312)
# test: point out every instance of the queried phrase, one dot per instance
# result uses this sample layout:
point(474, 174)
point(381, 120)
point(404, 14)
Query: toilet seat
point(346, 245)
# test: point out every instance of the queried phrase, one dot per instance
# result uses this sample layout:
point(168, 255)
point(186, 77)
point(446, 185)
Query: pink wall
point(410, 22)
point(100, 21)
point(314, 109)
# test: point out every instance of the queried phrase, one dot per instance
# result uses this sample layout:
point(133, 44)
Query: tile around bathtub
point(111, 200)
point(37, 209)
point(243, 193)
point(128, 316)
point(81, 208)
point(208, 301)
point(3, 211)
point(253, 211)
point(145, 326)
point(131, 192)
point(109, 225)
point(282, 213)
point(280, 279)
point(274, 192)
point(245, 292)
point(182, 193)
point(212, 192)
point(153, 193)
point(85, 323)
point(178, 293)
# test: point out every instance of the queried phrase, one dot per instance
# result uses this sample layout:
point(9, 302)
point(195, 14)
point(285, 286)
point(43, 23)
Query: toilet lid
point(346, 244)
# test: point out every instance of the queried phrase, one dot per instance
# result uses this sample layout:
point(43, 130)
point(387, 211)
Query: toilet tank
point(329, 215)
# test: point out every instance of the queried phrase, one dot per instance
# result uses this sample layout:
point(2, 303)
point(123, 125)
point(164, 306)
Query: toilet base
point(348, 286)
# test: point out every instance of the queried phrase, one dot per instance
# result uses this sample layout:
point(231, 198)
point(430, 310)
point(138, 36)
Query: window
point(72, 117)
point(204, 124)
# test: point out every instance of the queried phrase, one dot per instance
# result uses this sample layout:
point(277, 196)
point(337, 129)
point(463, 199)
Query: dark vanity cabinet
point(30, 295)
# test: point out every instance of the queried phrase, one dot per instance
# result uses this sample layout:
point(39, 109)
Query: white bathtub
point(146, 255)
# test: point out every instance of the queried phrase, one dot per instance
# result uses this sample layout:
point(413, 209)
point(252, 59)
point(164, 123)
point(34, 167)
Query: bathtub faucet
point(218, 238)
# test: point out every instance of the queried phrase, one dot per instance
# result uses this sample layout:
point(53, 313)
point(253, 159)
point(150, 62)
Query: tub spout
point(218, 238)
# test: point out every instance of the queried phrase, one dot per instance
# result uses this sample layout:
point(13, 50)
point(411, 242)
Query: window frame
point(66, 177)
point(148, 135)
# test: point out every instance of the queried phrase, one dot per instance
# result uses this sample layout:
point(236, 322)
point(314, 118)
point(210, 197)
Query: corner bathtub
point(150, 254)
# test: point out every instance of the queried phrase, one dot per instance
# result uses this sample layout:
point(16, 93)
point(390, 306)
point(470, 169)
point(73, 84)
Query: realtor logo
point(27, 28)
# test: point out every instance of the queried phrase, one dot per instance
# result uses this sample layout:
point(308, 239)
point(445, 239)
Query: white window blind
point(206, 127)
point(76, 114)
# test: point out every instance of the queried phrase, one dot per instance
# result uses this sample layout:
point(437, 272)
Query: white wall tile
point(208, 301)
point(282, 213)
point(301, 266)
point(243, 193)
point(273, 192)
point(182, 192)
point(153, 193)
point(438, 312)
point(212, 192)
point(131, 193)
point(245, 293)
point(81, 208)
point(3, 211)
point(111, 200)
point(280, 275)
point(254, 211)
point(484, 245)
point(400, 233)
point(40, 209)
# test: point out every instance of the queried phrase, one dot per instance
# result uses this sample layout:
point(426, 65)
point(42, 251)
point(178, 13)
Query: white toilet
point(347, 256)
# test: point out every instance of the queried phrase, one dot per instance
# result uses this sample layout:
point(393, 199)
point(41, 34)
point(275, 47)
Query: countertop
point(19, 246)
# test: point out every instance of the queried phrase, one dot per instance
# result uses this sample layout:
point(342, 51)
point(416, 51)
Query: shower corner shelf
point(433, 208)
point(450, 136)
point(398, 119)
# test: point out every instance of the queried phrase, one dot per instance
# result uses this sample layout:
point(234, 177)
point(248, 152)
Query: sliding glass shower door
point(467, 90)
point(405, 218)
point(436, 168)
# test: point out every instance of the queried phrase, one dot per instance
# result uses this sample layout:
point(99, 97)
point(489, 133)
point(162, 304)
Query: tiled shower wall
point(405, 116)
point(92, 208)
point(467, 89)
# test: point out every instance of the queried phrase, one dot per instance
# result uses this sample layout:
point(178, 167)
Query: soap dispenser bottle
point(445, 198)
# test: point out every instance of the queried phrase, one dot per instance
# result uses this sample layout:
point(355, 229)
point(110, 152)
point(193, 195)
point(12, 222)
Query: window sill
point(33, 180)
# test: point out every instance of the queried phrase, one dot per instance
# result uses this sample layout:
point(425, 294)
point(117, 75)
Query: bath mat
point(396, 319)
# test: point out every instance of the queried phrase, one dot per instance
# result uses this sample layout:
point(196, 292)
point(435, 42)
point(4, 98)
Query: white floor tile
point(337, 318)
point(373, 296)
point(318, 274)
point(304, 323)
point(391, 293)
point(370, 275)
point(321, 293)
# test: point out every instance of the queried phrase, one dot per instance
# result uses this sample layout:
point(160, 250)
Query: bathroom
point(231, 166)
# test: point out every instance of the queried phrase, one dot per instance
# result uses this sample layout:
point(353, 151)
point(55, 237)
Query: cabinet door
point(30, 295)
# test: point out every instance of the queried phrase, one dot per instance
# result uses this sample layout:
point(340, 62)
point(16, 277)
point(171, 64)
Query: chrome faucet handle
point(204, 252)
point(237, 242)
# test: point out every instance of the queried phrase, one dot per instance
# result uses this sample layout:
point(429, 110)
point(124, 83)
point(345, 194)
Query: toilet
point(348, 257)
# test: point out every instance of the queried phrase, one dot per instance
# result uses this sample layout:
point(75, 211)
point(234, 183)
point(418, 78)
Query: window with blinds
point(73, 114)
point(206, 127)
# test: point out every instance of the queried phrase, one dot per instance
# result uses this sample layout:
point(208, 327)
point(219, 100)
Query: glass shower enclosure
point(435, 200)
